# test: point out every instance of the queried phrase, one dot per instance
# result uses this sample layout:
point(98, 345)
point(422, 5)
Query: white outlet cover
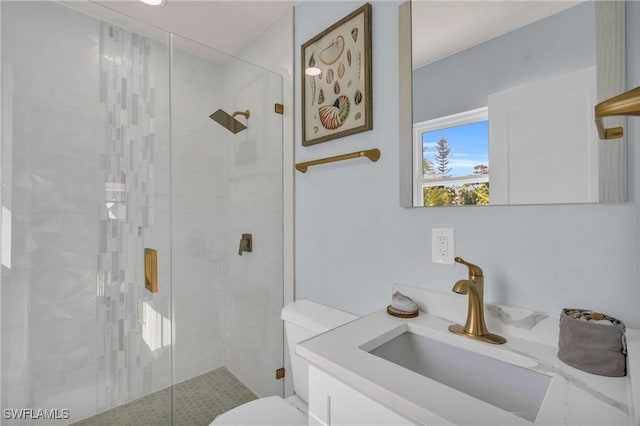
point(439, 254)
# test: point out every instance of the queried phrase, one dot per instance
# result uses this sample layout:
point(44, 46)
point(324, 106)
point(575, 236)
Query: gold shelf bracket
point(627, 103)
point(371, 154)
point(151, 270)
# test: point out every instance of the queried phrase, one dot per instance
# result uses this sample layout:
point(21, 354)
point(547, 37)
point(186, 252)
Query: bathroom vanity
point(382, 370)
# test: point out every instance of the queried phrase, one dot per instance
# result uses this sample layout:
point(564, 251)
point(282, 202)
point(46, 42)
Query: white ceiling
point(441, 28)
point(224, 25)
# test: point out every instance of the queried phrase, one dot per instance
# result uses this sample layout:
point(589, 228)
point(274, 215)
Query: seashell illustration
point(321, 75)
point(312, 61)
point(329, 76)
point(349, 57)
point(313, 90)
point(349, 83)
point(357, 98)
point(359, 62)
point(354, 34)
point(333, 116)
point(315, 129)
point(358, 115)
point(321, 97)
point(341, 70)
point(336, 88)
point(331, 54)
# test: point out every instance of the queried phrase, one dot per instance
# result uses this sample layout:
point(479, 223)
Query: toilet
point(303, 319)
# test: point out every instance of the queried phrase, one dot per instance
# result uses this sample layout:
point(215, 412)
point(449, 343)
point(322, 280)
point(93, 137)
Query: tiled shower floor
point(196, 402)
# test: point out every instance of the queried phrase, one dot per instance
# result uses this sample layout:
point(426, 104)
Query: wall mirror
point(497, 102)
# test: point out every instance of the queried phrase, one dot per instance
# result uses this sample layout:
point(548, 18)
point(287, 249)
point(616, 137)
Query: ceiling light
point(154, 2)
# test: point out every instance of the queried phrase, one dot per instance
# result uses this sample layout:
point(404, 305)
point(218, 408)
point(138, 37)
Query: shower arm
point(627, 103)
point(245, 113)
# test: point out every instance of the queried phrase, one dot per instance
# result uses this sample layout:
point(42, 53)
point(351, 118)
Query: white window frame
point(453, 120)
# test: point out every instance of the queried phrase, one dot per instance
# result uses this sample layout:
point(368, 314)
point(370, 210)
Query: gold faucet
point(475, 327)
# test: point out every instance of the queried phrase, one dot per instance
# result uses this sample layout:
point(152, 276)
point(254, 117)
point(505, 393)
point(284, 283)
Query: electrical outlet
point(442, 246)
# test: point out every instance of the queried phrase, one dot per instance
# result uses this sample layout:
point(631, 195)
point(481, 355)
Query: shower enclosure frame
point(287, 199)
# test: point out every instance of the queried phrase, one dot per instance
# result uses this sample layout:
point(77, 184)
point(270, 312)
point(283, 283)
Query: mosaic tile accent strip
point(127, 76)
point(196, 402)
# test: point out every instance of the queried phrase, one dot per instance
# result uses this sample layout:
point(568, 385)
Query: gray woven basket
point(592, 347)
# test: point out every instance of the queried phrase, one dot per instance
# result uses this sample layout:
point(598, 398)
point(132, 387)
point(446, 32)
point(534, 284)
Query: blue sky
point(469, 146)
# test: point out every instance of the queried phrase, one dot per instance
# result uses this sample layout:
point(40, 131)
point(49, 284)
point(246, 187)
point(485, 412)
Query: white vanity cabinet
point(332, 403)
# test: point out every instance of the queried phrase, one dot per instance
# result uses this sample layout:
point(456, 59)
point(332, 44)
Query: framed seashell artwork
point(339, 104)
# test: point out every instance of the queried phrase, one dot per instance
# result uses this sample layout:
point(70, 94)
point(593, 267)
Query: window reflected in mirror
point(540, 68)
point(452, 160)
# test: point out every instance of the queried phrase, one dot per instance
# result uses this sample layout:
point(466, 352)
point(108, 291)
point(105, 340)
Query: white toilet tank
point(304, 319)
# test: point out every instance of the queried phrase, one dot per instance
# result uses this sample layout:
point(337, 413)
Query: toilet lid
point(270, 411)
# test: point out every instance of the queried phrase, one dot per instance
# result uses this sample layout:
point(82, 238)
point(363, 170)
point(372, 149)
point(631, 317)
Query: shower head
point(228, 121)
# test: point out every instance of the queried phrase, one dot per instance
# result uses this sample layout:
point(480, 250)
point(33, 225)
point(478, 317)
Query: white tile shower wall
point(253, 282)
point(197, 216)
point(353, 241)
point(134, 342)
point(49, 309)
point(73, 338)
point(273, 49)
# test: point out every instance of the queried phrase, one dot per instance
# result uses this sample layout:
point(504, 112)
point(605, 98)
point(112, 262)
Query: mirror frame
point(611, 81)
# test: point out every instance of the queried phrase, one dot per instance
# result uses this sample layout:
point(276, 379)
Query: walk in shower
point(107, 150)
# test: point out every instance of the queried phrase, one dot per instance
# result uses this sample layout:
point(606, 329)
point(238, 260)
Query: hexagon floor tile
point(195, 402)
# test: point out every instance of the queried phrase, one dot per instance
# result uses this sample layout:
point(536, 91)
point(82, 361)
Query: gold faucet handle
point(474, 270)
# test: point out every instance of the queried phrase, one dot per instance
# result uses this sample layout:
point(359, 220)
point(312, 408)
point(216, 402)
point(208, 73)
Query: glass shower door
point(226, 183)
point(85, 189)
point(109, 149)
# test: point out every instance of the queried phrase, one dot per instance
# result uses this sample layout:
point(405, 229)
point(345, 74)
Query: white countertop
point(574, 397)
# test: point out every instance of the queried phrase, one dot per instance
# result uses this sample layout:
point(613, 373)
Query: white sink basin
point(510, 387)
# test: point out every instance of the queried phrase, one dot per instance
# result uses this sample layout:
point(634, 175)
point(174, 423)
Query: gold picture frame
point(336, 80)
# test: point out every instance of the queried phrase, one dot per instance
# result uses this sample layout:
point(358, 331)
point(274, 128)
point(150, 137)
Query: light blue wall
point(353, 241)
point(558, 44)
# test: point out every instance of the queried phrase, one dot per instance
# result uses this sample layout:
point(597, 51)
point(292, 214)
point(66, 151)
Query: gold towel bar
point(627, 103)
point(371, 154)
